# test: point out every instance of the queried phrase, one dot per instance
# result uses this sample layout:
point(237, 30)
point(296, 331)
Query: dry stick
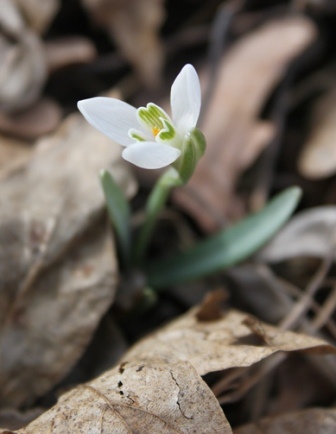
point(310, 326)
point(228, 381)
point(290, 321)
point(327, 364)
point(260, 396)
point(323, 316)
point(252, 379)
point(303, 304)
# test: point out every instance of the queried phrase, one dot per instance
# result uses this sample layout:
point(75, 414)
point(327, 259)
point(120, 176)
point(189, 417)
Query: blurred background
point(268, 77)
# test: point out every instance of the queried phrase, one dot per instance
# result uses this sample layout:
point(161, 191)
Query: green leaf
point(119, 213)
point(229, 246)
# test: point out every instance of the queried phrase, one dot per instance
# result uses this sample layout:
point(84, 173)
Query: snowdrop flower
point(152, 138)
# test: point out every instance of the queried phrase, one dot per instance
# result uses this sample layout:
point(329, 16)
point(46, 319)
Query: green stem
point(155, 203)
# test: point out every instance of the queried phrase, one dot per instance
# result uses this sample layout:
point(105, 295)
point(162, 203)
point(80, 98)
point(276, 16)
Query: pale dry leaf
point(137, 397)
point(310, 233)
point(57, 278)
point(134, 26)
point(22, 62)
point(234, 340)
point(318, 157)
point(310, 421)
point(234, 133)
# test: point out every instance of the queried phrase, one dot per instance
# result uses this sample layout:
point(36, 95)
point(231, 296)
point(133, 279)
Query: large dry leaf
point(310, 233)
point(57, 267)
point(134, 25)
point(13, 154)
point(311, 421)
point(235, 135)
point(318, 158)
point(137, 397)
point(157, 387)
point(235, 340)
point(49, 324)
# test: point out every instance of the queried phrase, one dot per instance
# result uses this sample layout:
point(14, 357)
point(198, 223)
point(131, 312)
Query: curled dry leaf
point(310, 233)
point(139, 397)
point(234, 340)
point(134, 26)
point(318, 158)
point(311, 421)
point(41, 118)
point(57, 267)
point(235, 136)
point(22, 66)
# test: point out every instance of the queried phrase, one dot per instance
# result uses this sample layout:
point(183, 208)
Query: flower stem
point(155, 203)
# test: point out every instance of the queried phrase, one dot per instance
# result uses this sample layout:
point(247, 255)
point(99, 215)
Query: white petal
point(185, 98)
point(112, 117)
point(150, 155)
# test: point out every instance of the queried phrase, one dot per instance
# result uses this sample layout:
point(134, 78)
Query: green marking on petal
point(136, 135)
point(152, 117)
point(168, 132)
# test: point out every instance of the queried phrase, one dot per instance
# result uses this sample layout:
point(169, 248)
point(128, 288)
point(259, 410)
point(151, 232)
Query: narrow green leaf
point(119, 213)
point(229, 246)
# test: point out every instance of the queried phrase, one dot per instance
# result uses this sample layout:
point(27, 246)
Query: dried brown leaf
point(134, 26)
point(234, 340)
point(137, 397)
point(235, 136)
point(318, 157)
point(311, 421)
point(157, 387)
point(57, 267)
